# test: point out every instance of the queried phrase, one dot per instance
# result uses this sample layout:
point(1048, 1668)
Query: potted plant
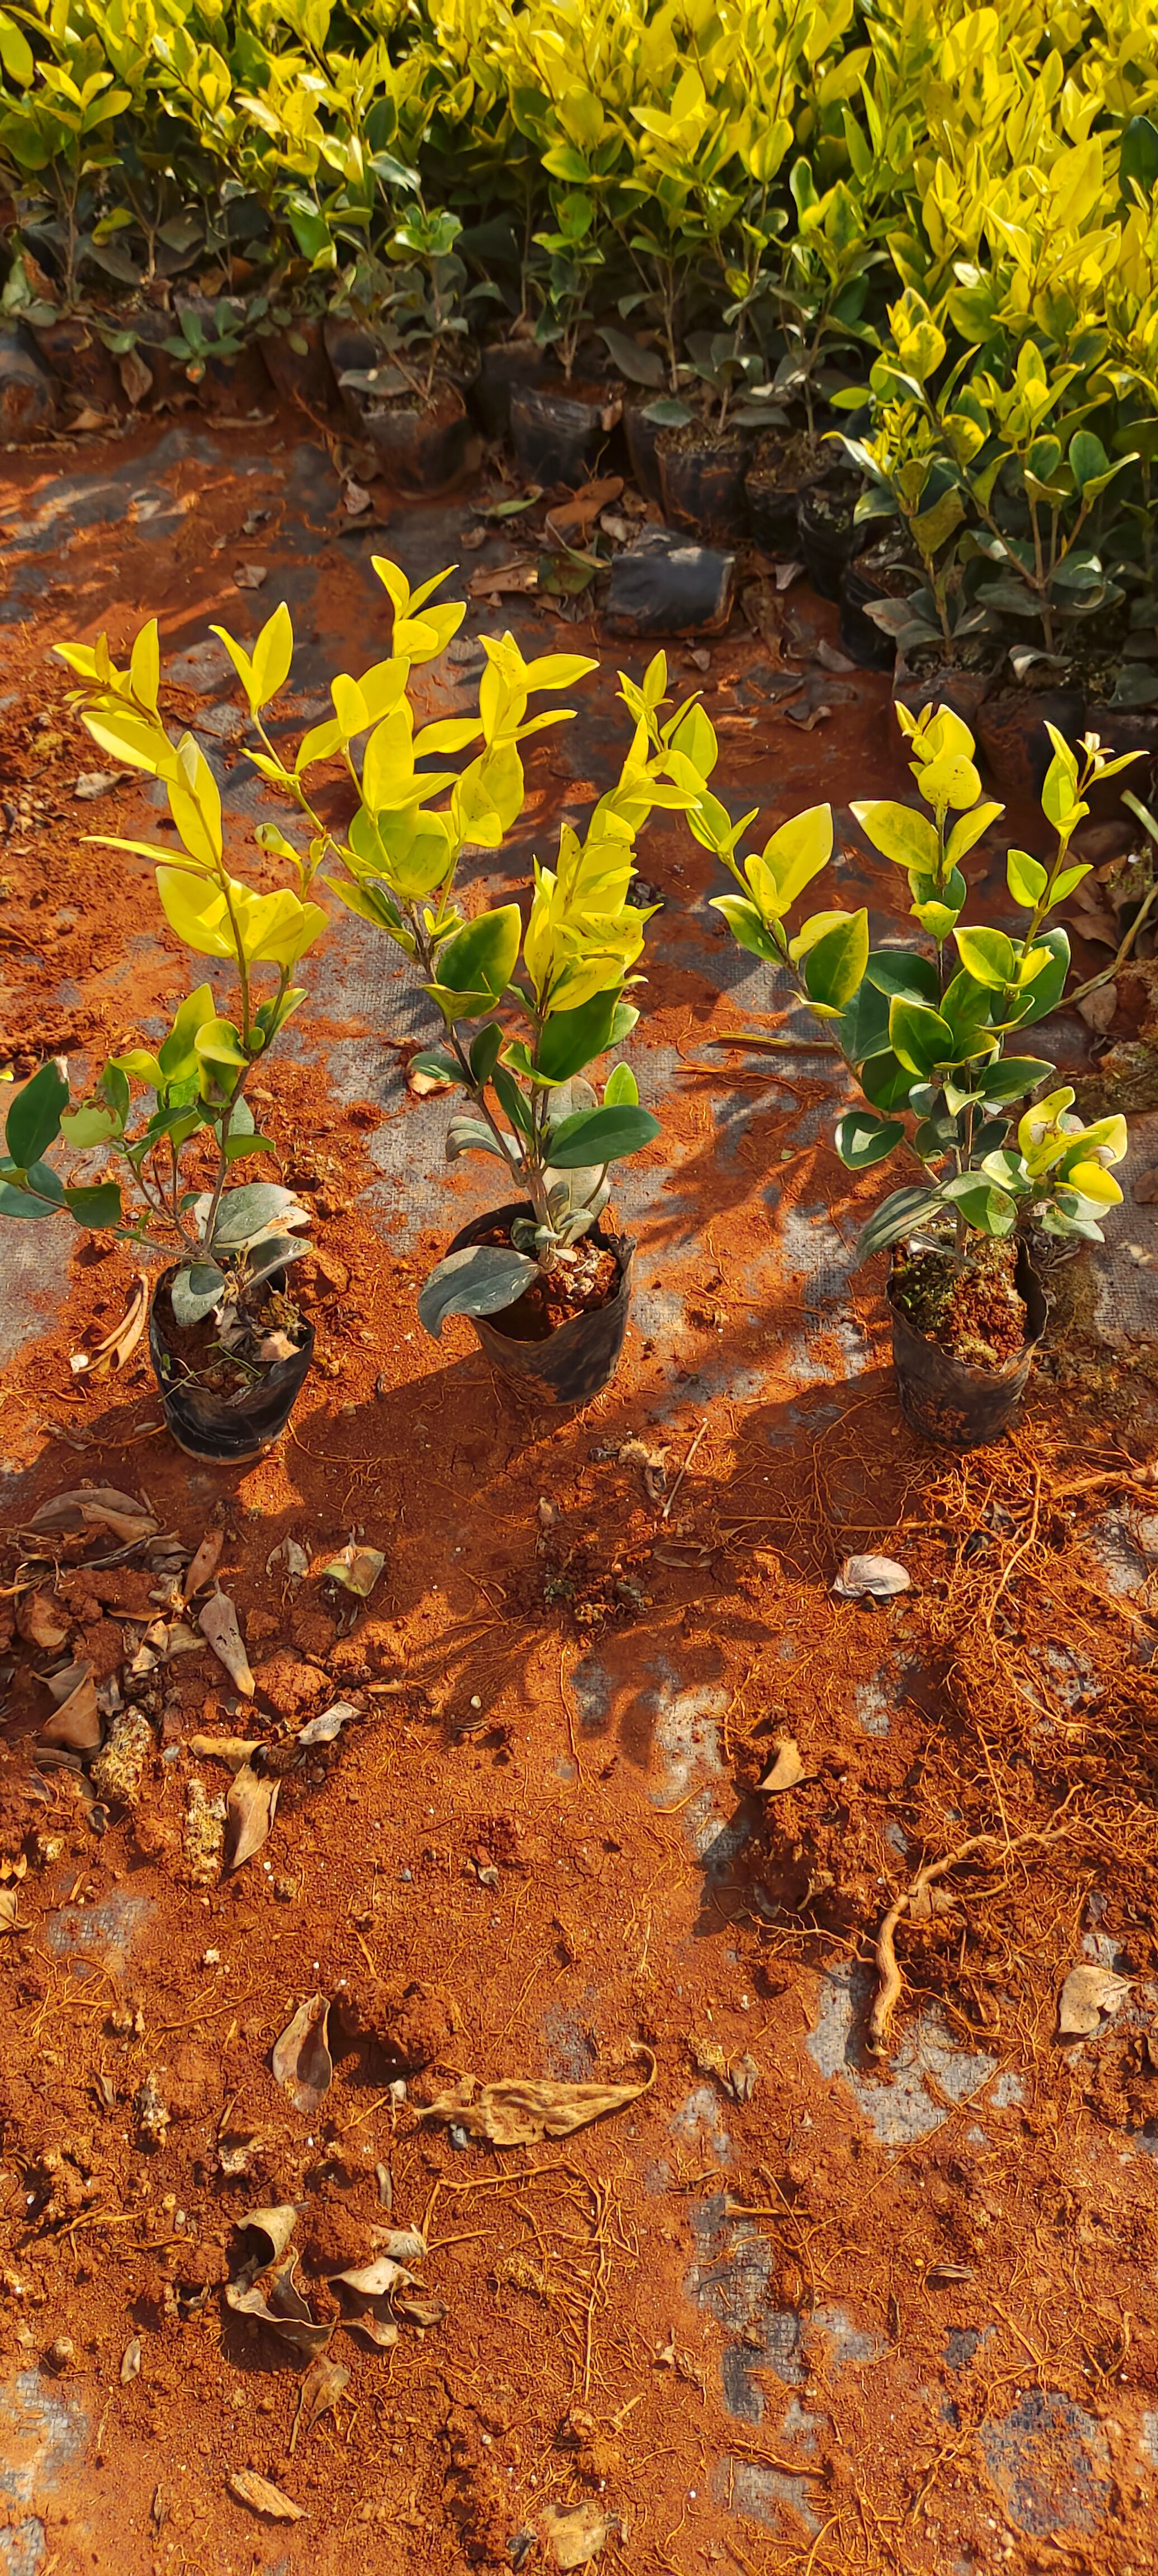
point(818, 296)
point(404, 368)
point(582, 940)
point(933, 624)
point(230, 1347)
point(545, 1287)
point(925, 1031)
point(557, 433)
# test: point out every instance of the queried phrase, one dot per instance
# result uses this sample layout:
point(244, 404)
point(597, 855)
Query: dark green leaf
point(99, 1206)
point(1045, 992)
point(903, 971)
point(1012, 1075)
point(513, 1101)
point(483, 1279)
point(886, 1081)
point(862, 1139)
point(596, 1136)
point(34, 1119)
point(1138, 158)
point(897, 1215)
point(571, 1039)
point(484, 1053)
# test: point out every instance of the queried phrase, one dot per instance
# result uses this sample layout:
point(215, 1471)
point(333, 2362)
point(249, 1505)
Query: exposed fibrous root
point(888, 1991)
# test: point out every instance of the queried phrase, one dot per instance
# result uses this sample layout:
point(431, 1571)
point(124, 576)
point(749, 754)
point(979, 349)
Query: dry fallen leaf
point(575, 2533)
point(217, 1620)
point(830, 658)
point(276, 2223)
point(119, 1345)
point(744, 2076)
point(1089, 1994)
point(1097, 1009)
point(39, 1623)
point(250, 576)
point(1145, 1187)
point(131, 2361)
point(301, 2059)
point(873, 1578)
point(276, 2302)
point(421, 1085)
point(250, 1807)
point(97, 1507)
point(708, 2058)
point(204, 1563)
point(236, 1750)
point(319, 2392)
point(8, 1904)
point(292, 1556)
point(135, 376)
point(518, 2113)
point(92, 783)
point(374, 2280)
point(357, 1568)
point(355, 499)
point(76, 1723)
point(328, 1724)
point(787, 1769)
point(261, 2497)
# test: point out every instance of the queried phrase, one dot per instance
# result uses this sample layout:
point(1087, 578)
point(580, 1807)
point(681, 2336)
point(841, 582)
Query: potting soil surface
point(786, 2304)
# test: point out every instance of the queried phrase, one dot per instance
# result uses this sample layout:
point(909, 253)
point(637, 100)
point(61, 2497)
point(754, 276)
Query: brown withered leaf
point(1145, 1188)
point(520, 2113)
point(250, 1806)
point(217, 1620)
point(276, 2302)
point(204, 1563)
point(319, 2393)
point(1089, 1995)
point(8, 1905)
point(357, 1568)
point(380, 2331)
point(102, 1358)
point(276, 2223)
point(575, 2533)
point(97, 1507)
point(374, 2280)
point(418, 2307)
point(76, 1722)
point(263, 2498)
point(871, 1578)
point(787, 1770)
point(40, 1623)
point(301, 2059)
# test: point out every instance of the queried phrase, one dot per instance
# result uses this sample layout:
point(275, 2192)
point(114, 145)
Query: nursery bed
point(792, 2308)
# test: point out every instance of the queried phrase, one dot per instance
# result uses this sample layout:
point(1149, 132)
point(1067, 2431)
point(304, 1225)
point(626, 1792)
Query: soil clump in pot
point(975, 1311)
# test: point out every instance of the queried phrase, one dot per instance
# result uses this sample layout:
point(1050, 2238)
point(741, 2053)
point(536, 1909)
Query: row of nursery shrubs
point(756, 229)
point(526, 1002)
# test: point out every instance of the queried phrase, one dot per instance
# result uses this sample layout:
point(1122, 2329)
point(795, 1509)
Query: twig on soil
point(666, 1512)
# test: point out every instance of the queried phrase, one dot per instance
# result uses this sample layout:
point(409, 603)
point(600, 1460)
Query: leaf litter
point(520, 2112)
point(301, 2061)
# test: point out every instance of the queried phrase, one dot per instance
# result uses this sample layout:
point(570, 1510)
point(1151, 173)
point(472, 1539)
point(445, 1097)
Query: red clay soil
point(518, 1853)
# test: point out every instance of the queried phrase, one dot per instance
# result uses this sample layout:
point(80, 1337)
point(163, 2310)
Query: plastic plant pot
point(952, 1402)
point(579, 1358)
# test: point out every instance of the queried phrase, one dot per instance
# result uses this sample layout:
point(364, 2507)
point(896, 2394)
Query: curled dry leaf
point(575, 2533)
point(787, 1770)
point(8, 1904)
point(236, 1750)
point(418, 2308)
point(872, 1578)
point(40, 1623)
point(119, 1345)
point(293, 1557)
point(76, 1722)
point(97, 1507)
point(374, 2280)
point(518, 2113)
point(204, 1563)
point(319, 2392)
point(324, 1728)
point(276, 2302)
point(91, 783)
point(181, 1641)
point(250, 576)
point(217, 1620)
point(744, 2076)
point(401, 2244)
point(263, 2498)
point(250, 1808)
point(1145, 1188)
point(63, 1683)
point(301, 2059)
point(1089, 1994)
point(276, 2223)
point(357, 1568)
point(131, 2361)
